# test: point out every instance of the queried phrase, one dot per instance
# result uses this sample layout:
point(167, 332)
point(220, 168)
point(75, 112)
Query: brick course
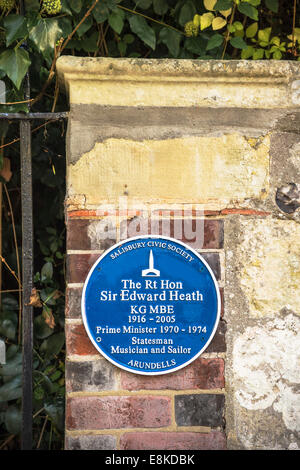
point(210, 232)
point(200, 374)
point(79, 265)
point(214, 440)
point(115, 412)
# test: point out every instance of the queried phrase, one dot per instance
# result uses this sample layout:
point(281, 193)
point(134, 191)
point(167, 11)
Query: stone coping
point(182, 82)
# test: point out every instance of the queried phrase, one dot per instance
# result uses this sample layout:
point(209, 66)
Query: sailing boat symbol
point(151, 271)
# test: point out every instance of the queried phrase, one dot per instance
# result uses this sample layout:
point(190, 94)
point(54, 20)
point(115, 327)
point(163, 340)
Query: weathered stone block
point(267, 257)
point(166, 82)
point(118, 166)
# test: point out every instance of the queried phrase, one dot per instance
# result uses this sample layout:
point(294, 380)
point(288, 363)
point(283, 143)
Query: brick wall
point(113, 409)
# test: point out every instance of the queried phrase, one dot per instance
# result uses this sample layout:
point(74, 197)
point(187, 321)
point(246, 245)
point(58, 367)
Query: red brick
point(214, 440)
point(82, 213)
point(210, 233)
point(78, 341)
point(201, 374)
point(78, 234)
point(184, 212)
point(73, 302)
point(244, 212)
point(218, 343)
point(118, 412)
point(78, 266)
point(99, 213)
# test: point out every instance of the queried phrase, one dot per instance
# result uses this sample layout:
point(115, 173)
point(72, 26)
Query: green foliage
point(184, 29)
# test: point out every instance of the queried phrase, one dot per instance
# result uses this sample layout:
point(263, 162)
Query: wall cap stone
point(182, 82)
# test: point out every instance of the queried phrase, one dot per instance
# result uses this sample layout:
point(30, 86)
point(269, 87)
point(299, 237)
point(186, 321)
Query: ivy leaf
point(13, 365)
point(247, 53)
point(100, 12)
point(45, 35)
point(277, 55)
point(76, 5)
point(12, 389)
point(209, 4)
point(47, 271)
point(52, 345)
point(88, 44)
point(160, 7)
point(85, 26)
point(264, 35)
point(15, 63)
point(187, 12)
point(140, 27)
point(215, 41)
point(238, 43)
point(16, 28)
point(218, 23)
point(116, 21)
point(44, 381)
point(272, 5)
point(41, 329)
point(226, 13)
point(248, 10)
point(251, 30)
point(65, 7)
point(13, 419)
point(143, 4)
point(223, 5)
point(206, 20)
point(258, 54)
point(102, 9)
point(171, 39)
point(55, 410)
point(8, 324)
point(195, 45)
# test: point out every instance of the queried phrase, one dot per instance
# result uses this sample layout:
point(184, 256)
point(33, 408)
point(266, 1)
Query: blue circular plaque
point(151, 305)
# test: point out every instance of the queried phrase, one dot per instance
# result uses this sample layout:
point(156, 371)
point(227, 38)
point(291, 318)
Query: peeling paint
point(266, 362)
